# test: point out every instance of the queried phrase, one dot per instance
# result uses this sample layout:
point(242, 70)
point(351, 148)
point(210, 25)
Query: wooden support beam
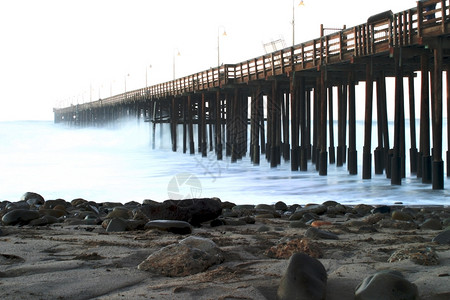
point(191, 126)
point(294, 125)
point(331, 150)
point(323, 164)
point(424, 149)
point(352, 152)
point(438, 164)
point(412, 126)
point(396, 174)
point(367, 154)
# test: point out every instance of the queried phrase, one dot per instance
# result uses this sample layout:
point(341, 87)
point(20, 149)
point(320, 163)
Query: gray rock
point(386, 285)
point(315, 233)
point(190, 256)
point(44, 220)
point(280, 205)
point(305, 279)
point(19, 216)
point(194, 211)
point(443, 237)
point(116, 225)
point(433, 224)
point(33, 199)
point(401, 216)
point(178, 227)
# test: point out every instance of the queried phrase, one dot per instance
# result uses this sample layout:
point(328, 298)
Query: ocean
point(118, 164)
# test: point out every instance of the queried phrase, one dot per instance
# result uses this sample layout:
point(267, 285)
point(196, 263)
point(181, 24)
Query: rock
point(401, 216)
point(52, 212)
point(433, 224)
point(280, 205)
point(382, 210)
point(313, 208)
point(263, 228)
point(265, 207)
point(33, 199)
point(178, 227)
point(443, 238)
point(116, 225)
point(305, 279)
point(297, 224)
point(194, 211)
point(77, 201)
point(119, 212)
point(319, 223)
point(19, 216)
point(387, 223)
point(243, 207)
point(315, 233)
point(362, 209)
point(420, 255)
point(185, 258)
point(216, 223)
point(50, 204)
point(287, 249)
point(248, 220)
point(17, 205)
point(386, 285)
point(44, 220)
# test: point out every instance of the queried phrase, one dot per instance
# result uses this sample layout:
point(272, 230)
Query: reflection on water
point(119, 165)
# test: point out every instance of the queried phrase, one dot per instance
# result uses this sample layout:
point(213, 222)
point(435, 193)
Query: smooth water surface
point(119, 165)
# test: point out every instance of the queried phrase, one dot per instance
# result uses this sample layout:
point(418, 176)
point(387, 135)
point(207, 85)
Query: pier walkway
point(286, 98)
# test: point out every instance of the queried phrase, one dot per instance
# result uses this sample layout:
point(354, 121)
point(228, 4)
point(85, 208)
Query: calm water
point(118, 165)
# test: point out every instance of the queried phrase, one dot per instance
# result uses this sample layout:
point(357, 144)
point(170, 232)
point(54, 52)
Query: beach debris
point(305, 279)
point(190, 256)
point(420, 255)
point(386, 284)
point(287, 249)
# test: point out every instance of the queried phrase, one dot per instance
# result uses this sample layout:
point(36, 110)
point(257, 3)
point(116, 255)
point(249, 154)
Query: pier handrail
point(390, 30)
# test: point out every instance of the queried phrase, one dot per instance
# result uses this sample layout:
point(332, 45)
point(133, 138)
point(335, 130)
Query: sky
point(54, 53)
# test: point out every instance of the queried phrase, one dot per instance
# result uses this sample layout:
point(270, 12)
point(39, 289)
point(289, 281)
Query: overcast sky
point(57, 52)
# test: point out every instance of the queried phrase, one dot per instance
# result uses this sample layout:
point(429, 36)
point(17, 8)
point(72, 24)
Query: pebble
point(401, 216)
point(119, 212)
point(382, 210)
point(319, 223)
point(19, 216)
point(116, 225)
point(432, 224)
point(305, 279)
point(173, 226)
point(33, 199)
point(386, 285)
point(280, 205)
point(443, 238)
point(315, 233)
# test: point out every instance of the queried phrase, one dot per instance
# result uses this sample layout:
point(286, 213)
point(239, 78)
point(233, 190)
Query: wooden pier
point(286, 97)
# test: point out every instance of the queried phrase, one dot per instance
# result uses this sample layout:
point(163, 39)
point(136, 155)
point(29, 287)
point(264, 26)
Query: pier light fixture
point(293, 19)
point(125, 79)
point(146, 75)
point(224, 33)
point(176, 52)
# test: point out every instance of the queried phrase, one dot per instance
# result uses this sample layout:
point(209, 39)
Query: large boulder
point(19, 216)
point(305, 279)
point(194, 211)
point(386, 284)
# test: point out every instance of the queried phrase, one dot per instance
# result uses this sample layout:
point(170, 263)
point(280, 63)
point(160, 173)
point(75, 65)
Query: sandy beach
point(71, 259)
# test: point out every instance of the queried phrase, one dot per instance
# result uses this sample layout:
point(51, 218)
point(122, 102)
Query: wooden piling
point(331, 150)
point(424, 150)
point(367, 154)
point(323, 164)
point(352, 152)
point(438, 164)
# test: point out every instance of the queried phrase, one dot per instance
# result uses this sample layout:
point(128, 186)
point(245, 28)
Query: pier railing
point(379, 34)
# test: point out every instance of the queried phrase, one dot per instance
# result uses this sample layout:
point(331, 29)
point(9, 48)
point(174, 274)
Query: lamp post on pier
point(146, 75)
point(175, 50)
point(218, 42)
point(293, 19)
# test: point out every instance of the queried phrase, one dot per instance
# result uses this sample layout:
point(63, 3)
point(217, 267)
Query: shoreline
point(80, 258)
